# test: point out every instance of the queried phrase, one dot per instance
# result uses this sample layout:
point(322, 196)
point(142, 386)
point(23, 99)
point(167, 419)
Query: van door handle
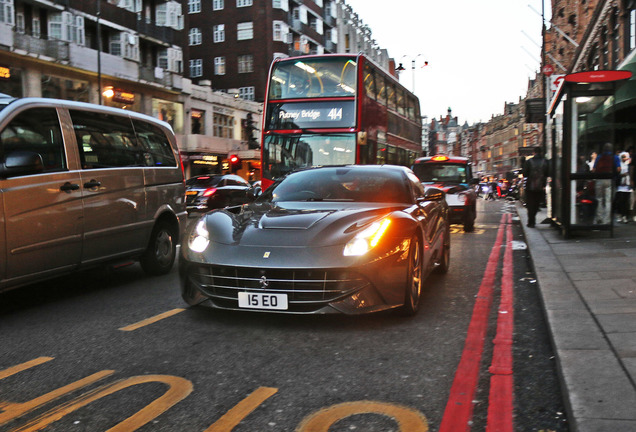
point(68, 187)
point(92, 184)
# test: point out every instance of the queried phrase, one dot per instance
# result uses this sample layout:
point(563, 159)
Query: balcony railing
point(55, 49)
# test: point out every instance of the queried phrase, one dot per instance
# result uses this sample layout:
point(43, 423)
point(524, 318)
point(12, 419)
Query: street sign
point(548, 70)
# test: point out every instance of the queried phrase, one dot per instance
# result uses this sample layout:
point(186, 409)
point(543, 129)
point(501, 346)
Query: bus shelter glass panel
point(592, 155)
point(556, 185)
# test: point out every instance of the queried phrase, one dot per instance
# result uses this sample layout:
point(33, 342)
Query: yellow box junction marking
point(234, 416)
point(408, 420)
point(152, 320)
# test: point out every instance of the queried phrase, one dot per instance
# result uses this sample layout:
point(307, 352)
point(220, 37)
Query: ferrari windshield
point(357, 184)
point(283, 154)
point(313, 78)
point(441, 173)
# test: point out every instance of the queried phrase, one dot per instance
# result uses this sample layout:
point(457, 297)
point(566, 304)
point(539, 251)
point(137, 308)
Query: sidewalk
point(588, 288)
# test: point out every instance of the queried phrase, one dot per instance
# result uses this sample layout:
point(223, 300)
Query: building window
point(632, 29)
point(246, 93)
point(197, 122)
point(19, 22)
point(219, 65)
point(281, 30)
point(223, 126)
point(219, 33)
point(6, 11)
point(244, 31)
point(243, 3)
point(194, 6)
point(194, 36)
point(218, 5)
point(196, 68)
point(245, 63)
point(281, 4)
point(36, 29)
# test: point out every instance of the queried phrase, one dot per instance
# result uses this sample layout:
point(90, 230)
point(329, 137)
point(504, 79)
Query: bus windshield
point(313, 78)
point(285, 153)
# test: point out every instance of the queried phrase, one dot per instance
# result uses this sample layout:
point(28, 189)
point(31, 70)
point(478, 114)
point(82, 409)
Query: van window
point(37, 130)
point(105, 140)
point(155, 144)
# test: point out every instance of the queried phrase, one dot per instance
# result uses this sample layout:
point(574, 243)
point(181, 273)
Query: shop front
point(588, 131)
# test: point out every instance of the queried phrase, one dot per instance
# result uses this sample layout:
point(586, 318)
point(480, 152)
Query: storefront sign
point(598, 76)
point(122, 96)
point(5, 72)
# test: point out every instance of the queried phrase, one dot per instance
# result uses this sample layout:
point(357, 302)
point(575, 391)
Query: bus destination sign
point(311, 115)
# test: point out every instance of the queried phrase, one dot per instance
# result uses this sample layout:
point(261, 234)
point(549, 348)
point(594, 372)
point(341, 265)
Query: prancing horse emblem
point(264, 282)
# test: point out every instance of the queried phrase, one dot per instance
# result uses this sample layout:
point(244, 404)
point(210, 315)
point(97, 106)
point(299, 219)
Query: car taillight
point(209, 192)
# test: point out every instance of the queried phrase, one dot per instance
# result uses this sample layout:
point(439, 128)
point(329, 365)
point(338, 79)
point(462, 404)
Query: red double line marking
point(459, 408)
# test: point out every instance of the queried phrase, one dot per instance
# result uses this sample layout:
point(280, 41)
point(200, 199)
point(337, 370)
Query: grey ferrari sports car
point(348, 239)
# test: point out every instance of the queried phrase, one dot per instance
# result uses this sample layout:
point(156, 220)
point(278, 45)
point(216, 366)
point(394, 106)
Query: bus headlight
point(367, 239)
point(200, 237)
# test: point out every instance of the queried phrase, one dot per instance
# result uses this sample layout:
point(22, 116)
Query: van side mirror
point(21, 162)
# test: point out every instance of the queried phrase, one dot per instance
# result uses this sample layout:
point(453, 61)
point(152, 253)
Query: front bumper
point(357, 289)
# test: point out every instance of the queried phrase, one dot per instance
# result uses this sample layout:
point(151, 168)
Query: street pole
point(99, 54)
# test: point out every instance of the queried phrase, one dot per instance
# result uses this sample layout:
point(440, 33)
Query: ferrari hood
point(293, 224)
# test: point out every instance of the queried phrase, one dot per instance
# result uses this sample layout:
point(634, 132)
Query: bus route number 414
point(335, 114)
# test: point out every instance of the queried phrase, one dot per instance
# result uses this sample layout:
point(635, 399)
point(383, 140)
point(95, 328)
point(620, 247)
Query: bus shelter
point(586, 118)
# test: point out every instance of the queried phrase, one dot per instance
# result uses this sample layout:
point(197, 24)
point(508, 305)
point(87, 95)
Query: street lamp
point(413, 60)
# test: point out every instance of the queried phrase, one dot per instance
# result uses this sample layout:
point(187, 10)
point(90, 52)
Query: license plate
point(262, 301)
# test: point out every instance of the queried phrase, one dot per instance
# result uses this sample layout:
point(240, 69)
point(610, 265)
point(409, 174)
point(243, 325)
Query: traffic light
point(235, 163)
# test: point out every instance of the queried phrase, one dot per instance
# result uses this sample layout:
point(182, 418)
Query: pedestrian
point(591, 161)
point(623, 189)
point(491, 191)
point(536, 171)
point(607, 162)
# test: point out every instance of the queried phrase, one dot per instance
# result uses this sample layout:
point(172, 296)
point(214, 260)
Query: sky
point(480, 53)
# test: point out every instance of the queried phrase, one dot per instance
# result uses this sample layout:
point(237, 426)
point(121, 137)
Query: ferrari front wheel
point(444, 257)
point(414, 279)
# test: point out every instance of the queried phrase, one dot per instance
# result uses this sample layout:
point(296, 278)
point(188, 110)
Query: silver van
point(82, 185)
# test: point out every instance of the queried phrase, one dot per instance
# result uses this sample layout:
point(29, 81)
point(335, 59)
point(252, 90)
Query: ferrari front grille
point(301, 286)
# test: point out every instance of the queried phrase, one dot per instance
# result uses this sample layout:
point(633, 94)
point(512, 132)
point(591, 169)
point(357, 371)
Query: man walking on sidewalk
point(536, 172)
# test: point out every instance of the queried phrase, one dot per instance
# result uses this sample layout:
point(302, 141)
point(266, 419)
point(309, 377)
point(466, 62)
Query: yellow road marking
point(408, 420)
point(234, 416)
point(24, 366)
point(178, 389)
point(14, 410)
point(151, 320)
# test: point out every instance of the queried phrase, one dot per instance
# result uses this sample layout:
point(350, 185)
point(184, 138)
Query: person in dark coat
point(536, 172)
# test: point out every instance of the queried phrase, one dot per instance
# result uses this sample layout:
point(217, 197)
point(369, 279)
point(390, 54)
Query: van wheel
point(162, 250)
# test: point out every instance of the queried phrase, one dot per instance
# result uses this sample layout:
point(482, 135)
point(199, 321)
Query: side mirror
point(21, 162)
point(433, 194)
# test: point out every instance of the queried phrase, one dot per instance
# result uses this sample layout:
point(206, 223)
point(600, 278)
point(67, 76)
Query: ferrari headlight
point(200, 237)
point(367, 239)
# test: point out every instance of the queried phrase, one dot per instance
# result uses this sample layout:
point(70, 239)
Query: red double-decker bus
point(336, 109)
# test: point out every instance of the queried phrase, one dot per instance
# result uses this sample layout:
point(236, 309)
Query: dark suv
point(208, 192)
point(454, 176)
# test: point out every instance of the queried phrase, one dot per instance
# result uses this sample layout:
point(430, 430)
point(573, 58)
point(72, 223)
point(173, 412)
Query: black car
point(321, 240)
point(208, 192)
